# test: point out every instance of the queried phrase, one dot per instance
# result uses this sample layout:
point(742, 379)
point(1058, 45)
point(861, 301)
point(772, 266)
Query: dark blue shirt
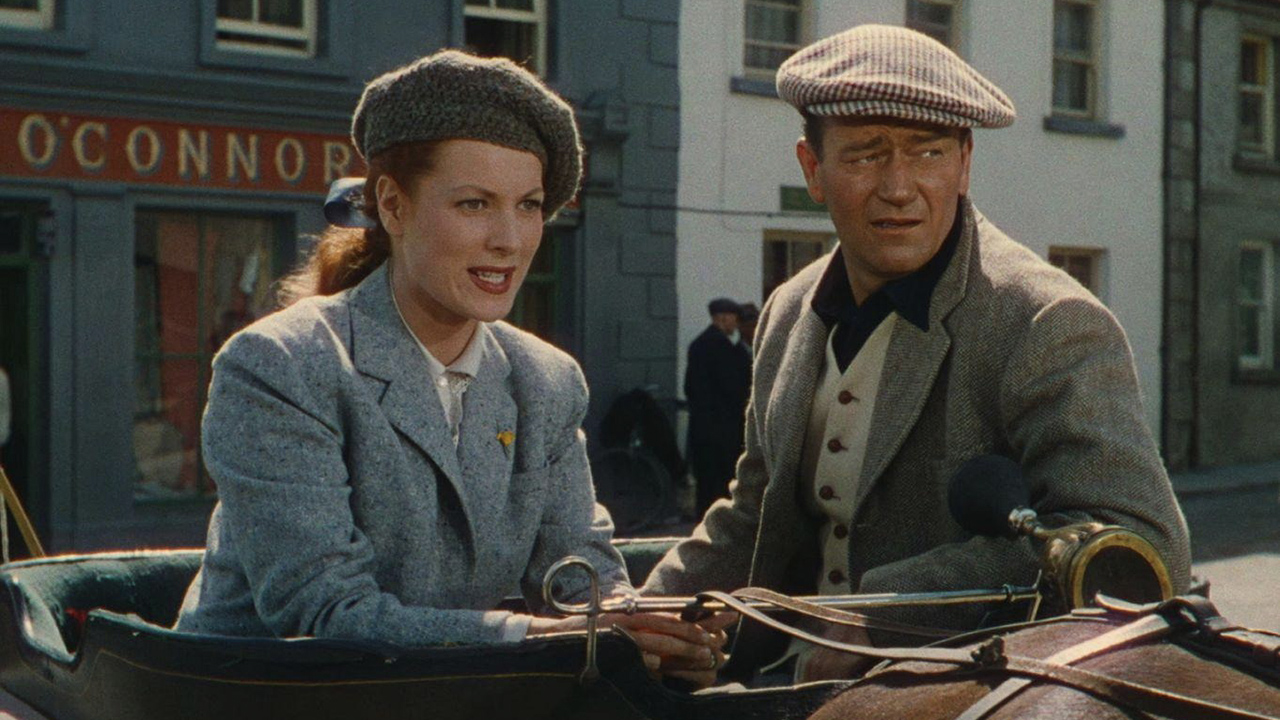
point(908, 295)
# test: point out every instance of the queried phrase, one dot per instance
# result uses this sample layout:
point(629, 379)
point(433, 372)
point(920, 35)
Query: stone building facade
point(1222, 187)
point(163, 163)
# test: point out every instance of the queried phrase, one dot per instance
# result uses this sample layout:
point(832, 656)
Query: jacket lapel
point(912, 363)
point(385, 353)
point(488, 417)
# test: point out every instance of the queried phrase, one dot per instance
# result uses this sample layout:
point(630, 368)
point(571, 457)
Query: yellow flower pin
point(506, 437)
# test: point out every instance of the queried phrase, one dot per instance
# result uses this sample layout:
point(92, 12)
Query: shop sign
point(157, 152)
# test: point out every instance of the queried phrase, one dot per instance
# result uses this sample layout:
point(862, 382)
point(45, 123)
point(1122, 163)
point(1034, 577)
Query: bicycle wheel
point(633, 485)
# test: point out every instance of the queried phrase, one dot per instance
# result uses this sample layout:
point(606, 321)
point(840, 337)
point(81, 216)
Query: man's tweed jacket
point(1018, 360)
point(344, 508)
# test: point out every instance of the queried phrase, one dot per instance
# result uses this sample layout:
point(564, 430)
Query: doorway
point(23, 343)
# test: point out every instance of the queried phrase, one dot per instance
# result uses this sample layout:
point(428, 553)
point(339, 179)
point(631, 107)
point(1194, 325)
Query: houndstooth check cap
point(883, 70)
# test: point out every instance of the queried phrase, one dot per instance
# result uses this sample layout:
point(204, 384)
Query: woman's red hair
point(342, 257)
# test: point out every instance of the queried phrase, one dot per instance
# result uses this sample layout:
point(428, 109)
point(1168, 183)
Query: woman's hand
point(669, 645)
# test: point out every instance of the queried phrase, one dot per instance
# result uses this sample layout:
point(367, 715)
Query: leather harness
point(1149, 623)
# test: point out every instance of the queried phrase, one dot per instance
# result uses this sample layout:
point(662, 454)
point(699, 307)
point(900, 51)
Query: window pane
point(165, 440)
point(1251, 275)
point(920, 11)
point(502, 38)
point(10, 233)
point(1251, 131)
point(1252, 63)
point(773, 24)
point(235, 9)
point(1070, 85)
point(516, 4)
point(803, 253)
point(237, 287)
point(544, 261)
point(1250, 324)
point(536, 309)
point(763, 57)
point(775, 266)
point(1072, 27)
point(20, 4)
point(281, 12)
point(197, 279)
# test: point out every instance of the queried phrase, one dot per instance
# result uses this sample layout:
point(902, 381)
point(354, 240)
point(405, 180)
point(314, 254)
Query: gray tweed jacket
point(346, 511)
point(1018, 360)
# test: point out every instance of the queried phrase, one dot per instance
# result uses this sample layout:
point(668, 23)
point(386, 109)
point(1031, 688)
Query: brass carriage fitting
point(1084, 559)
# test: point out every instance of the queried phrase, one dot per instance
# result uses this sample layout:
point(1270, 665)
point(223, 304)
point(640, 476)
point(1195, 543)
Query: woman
point(391, 460)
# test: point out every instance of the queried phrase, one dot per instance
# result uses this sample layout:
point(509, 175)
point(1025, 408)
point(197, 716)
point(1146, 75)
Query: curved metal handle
point(590, 672)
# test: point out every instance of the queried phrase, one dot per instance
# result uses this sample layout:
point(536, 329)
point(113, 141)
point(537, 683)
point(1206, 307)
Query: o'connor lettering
point(65, 146)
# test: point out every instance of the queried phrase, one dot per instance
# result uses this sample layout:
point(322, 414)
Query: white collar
point(468, 363)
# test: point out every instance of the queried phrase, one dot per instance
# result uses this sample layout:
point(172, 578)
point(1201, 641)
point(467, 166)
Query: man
point(717, 381)
point(926, 338)
point(747, 324)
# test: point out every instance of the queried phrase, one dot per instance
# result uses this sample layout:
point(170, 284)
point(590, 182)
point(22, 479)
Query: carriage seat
point(53, 596)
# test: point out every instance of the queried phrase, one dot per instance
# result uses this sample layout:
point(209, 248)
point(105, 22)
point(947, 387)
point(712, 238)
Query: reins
point(1156, 622)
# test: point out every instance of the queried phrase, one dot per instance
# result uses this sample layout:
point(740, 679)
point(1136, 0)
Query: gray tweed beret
point(883, 70)
point(454, 95)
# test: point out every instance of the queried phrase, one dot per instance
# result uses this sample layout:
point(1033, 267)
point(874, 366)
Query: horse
point(1178, 659)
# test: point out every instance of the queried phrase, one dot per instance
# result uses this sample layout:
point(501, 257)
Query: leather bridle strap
point(990, 656)
point(1147, 628)
point(963, 658)
point(1133, 695)
point(838, 617)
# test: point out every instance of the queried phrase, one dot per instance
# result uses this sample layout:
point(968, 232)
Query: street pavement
point(1234, 517)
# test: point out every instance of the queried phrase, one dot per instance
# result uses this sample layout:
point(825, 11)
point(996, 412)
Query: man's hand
point(670, 646)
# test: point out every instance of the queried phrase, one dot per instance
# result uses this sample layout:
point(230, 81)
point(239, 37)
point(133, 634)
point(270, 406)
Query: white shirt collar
point(468, 363)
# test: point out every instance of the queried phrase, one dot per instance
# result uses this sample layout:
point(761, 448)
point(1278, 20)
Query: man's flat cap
point(882, 70)
point(724, 305)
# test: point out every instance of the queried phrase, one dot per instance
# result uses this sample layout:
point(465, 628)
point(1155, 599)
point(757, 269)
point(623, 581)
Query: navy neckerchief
point(909, 296)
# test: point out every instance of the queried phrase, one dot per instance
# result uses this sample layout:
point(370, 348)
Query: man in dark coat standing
point(717, 382)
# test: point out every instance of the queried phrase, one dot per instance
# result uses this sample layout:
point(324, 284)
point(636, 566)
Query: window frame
point(1267, 90)
point(39, 19)
point(536, 17)
point(827, 240)
point(309, 32)
point(1097, 268)
point(802, 10)
point(1265, 360)
point(952, 30)
point(1092, 60)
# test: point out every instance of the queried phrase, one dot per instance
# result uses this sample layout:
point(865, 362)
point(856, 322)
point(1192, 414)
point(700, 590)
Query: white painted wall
point(1043, 188)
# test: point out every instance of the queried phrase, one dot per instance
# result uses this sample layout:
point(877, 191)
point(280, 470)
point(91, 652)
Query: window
point(1257, 95)
point(536, 306)
point(1255, 307)
point(1075, 57)
point(514, 29)
point(1083, 264)
point(787, 252)
point(773, 31)
point(935, 18)
point(272, 27)
point(198, 279)
point(27, 14)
